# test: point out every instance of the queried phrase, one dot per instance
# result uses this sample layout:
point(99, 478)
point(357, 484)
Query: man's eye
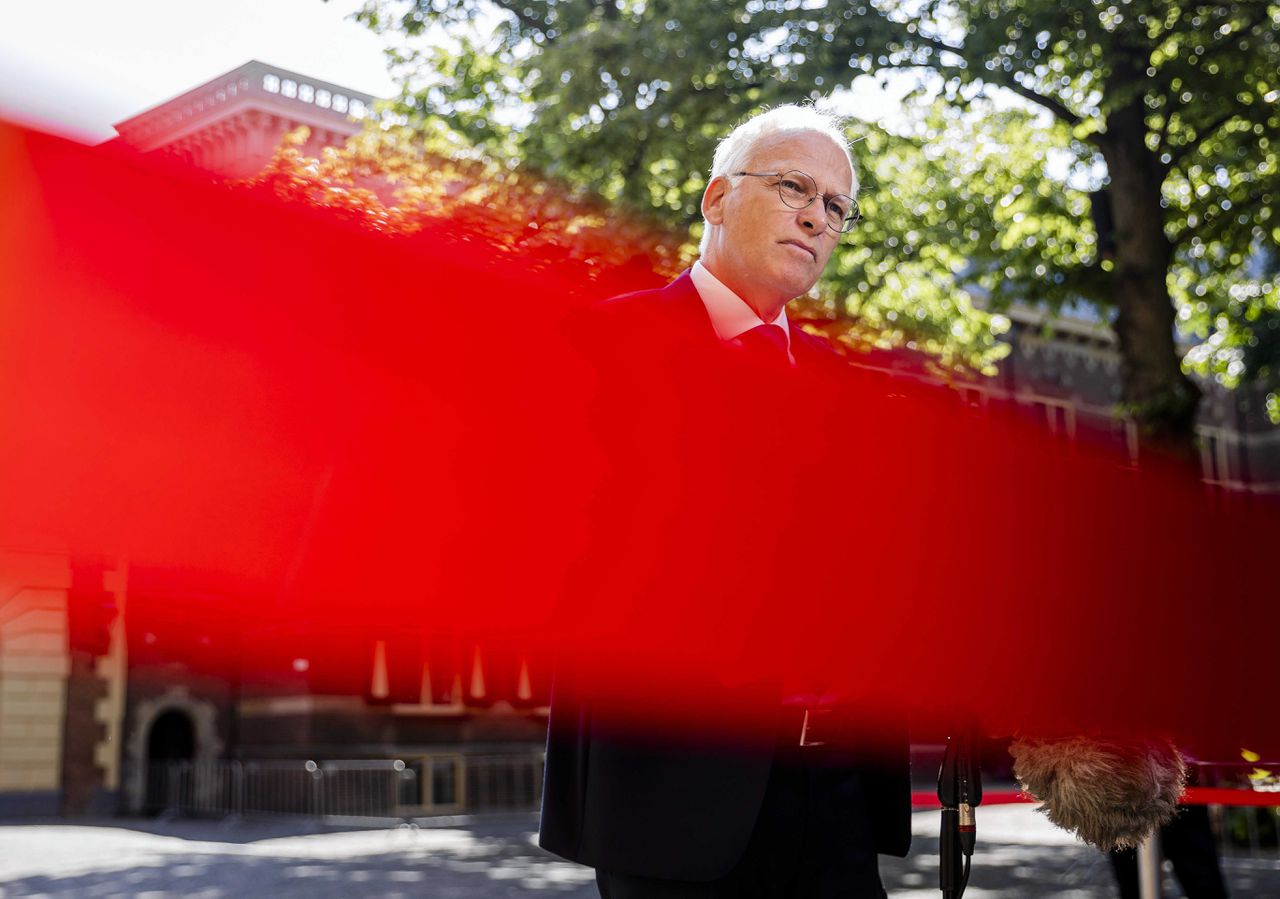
point(793, 186)
point(837, 210)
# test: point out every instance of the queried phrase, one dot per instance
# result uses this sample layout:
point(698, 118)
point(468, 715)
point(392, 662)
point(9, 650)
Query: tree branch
point(1179, 153)
point(1055, 106)
point(1001, 79)
point(1215, 217)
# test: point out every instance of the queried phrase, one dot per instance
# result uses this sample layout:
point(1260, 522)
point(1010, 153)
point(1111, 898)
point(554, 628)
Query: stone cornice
point(252, 86)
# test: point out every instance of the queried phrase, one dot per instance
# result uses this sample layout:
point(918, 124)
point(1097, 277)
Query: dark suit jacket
point(664, 804)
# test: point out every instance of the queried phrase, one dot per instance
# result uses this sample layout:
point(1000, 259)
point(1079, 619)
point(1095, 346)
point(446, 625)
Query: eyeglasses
point(798, 190)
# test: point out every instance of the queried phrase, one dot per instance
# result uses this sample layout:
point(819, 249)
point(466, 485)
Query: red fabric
point(312, 438)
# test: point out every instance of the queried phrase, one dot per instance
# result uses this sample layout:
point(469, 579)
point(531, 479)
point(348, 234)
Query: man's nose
point(810, 219)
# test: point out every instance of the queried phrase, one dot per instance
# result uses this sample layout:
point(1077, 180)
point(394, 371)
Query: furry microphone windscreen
point(1112, 794)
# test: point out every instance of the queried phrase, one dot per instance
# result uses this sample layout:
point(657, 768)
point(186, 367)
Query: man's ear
point(713, 200)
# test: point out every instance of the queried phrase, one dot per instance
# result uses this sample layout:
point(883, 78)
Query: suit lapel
point(684, 302)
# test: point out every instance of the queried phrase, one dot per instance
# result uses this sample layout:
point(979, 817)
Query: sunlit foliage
point(399, 181)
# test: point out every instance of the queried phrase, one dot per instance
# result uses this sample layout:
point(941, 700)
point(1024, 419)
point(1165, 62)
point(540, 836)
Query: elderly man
point(777, 813)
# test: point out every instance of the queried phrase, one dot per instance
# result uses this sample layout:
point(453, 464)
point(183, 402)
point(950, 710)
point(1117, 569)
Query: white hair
point(737, 145)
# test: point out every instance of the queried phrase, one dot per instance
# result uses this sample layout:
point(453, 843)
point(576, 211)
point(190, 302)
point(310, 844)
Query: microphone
point(1111, 793)
point(960, 792)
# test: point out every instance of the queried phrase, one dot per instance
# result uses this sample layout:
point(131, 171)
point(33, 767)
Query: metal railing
point(441, 784)
point(1247, 831)
point(1243, 830)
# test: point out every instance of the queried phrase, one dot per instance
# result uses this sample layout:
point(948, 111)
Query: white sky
point(78, 66)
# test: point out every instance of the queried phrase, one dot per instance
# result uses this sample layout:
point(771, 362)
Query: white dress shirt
point(730, 315)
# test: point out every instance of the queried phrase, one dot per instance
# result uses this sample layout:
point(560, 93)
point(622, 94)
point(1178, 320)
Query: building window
point(1215, 455)
point(357, 109)
point(323, 98)
point(306, 93)
point(1059, 416)
point(289, 88)
point(339, 103)
point(271, 84)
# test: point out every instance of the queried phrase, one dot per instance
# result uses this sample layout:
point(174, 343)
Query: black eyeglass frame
point(851, 218)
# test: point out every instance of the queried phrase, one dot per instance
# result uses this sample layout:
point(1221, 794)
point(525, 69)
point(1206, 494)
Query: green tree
point(1168, 109)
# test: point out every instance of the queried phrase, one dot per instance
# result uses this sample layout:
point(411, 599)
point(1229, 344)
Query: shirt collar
point(730, 315)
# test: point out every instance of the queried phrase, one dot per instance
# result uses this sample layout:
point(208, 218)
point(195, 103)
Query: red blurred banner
point(323, 436)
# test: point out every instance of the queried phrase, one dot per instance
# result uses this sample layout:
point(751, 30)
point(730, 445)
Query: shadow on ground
point(201, 860)
point(1000, 870)
point(493, 859)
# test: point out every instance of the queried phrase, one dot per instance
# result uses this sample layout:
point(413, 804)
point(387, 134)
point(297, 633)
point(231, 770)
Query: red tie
point(767, 344)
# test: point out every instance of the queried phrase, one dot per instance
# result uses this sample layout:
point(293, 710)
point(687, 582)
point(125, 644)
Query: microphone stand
point(960, 792)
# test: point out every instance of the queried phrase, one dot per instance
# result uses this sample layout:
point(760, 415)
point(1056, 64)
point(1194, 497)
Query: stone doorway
point(170, 743)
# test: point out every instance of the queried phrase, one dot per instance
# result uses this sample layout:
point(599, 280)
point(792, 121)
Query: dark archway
point(172, 740)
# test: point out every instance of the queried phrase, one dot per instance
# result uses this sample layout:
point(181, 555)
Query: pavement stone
point(1020, 856)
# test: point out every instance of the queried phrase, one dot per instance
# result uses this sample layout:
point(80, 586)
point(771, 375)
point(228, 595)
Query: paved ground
point(1020, 856)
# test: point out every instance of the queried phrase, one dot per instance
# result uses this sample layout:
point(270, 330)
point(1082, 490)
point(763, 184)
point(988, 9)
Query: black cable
point(959, 791)
point(958, 892)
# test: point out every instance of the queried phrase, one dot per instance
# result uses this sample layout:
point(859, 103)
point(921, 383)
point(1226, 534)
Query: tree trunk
point(1161, 398)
